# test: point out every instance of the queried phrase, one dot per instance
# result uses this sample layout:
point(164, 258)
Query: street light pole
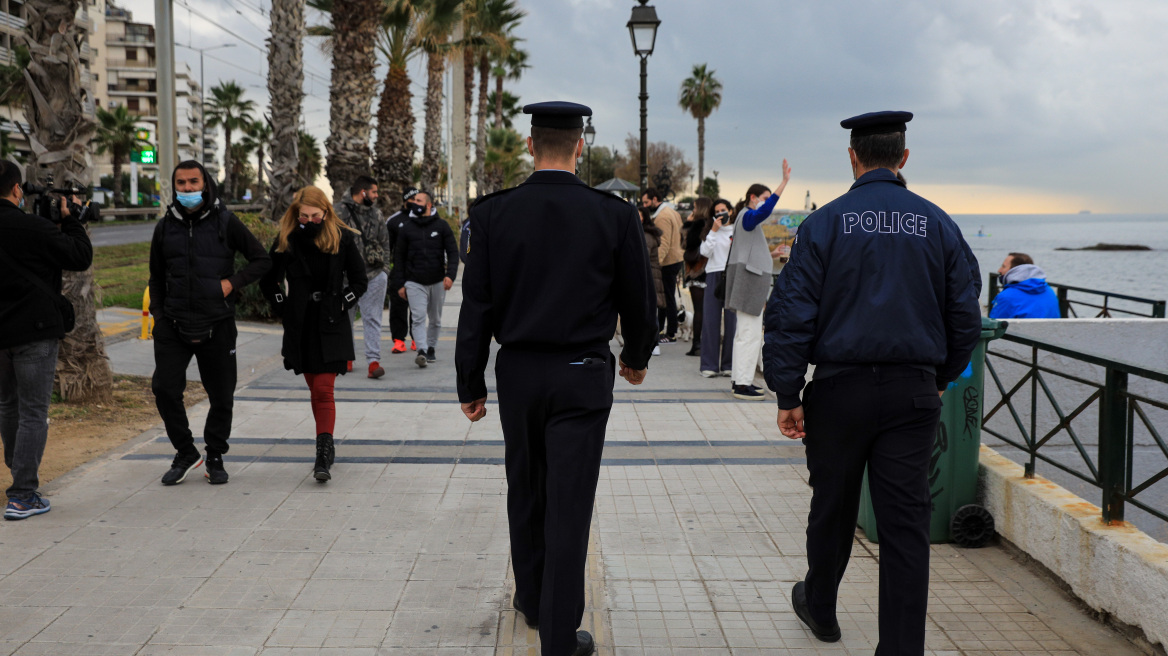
point(589, 137)
point(202, 105)
point(643, 31)
point(644, 123)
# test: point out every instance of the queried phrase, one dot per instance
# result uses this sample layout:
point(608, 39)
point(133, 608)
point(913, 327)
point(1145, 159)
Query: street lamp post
point(202, 107)
point(643, 30)
point(589, 137)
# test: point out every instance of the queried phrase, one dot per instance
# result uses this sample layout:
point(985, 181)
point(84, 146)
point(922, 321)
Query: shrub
point(252, 306)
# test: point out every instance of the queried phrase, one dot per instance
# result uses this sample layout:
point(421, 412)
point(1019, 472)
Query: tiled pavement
point(697, 539)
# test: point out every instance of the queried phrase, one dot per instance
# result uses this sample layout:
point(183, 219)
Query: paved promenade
point(697, 536)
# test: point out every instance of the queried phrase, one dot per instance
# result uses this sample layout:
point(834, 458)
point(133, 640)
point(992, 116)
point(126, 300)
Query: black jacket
point(522, 287)
point(877, 276)
point(190, 254)
point(28, 314)
point(426, 252)
point(318, 335)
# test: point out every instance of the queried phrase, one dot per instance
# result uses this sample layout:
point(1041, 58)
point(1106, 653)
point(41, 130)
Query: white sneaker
point(709, 374)
point(656, 350)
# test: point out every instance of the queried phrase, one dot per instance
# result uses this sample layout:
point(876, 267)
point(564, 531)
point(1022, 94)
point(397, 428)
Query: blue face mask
point(189, 200)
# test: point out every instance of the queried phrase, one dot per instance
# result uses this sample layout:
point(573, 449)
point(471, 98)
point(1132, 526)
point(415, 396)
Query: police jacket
point(27, 313)
point(877, 276)
point(426, 252)
point(191, 252)
point(522, 287)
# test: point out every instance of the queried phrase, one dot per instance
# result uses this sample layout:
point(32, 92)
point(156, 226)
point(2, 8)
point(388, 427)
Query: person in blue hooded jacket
point(881, 295)
point(1025, 294)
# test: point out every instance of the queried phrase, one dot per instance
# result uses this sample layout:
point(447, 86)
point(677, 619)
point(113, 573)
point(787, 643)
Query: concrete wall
point(1117, 570)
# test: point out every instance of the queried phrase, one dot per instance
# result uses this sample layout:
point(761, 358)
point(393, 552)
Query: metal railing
point(14, 22)
point(1151, 308)
point(1120, 412)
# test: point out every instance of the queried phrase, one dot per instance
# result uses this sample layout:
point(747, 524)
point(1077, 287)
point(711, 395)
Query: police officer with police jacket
point(553, 311)
point(193, 289)
point(881, 296)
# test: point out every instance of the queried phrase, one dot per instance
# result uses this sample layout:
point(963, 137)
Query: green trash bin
point(953, 467)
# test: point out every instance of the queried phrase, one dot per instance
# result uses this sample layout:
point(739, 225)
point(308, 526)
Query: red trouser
point(324, 408)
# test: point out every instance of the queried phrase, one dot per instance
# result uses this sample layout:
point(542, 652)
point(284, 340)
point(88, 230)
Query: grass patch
point(96, 225)
point(122, 272)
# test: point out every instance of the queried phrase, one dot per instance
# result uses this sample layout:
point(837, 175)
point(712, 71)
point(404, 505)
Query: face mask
point(416, 210)
point(368, 202)
point(722, 215)
point(189, 200)
point(310, 228)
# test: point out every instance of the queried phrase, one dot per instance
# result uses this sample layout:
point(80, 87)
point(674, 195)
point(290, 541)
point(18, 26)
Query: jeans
point(714, 338)
point(26, 387)
point(372, 302)
point(426, 302)
point(667, 318)
point(747, 347)
point(216, 358)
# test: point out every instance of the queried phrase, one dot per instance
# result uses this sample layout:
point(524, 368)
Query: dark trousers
point(885, 417)
point(26, 388)
point(698, 294)
point(216, 358)
point(667, 318)
point(399, 316)
point(715, 339)
point(554, 415)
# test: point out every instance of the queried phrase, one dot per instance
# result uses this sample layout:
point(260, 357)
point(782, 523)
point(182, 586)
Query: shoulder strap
point(28, 275)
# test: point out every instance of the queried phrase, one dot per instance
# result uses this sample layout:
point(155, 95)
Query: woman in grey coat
point(748, 282)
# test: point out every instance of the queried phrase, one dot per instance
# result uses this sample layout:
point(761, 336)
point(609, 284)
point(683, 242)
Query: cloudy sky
point(1021, 105)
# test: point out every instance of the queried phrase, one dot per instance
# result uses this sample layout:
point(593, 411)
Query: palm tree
point(353, 42)
point(286, 89)
point(440, 18)
point(510, 66)
point(241, 171)
point(60, 133)
point(228, 108)
point(309, 159)
point(505, 164)
point(118, 136)
point(491, 23)
point(701, 93)
point(393, 152)
point(259, 133)
point(507, 108)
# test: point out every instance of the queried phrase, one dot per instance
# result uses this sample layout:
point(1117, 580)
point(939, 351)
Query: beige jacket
point(669, 221)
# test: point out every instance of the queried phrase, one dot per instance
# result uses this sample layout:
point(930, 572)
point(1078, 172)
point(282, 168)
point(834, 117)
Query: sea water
point(1134, 273)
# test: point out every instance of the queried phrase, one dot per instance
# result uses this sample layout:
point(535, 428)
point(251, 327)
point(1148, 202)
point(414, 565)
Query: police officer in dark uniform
point(881, 296)
point(550, 265)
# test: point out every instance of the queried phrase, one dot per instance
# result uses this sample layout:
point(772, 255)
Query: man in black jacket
point(399, 308)
point(193, 289)
point(30, 327)
point(425, 263)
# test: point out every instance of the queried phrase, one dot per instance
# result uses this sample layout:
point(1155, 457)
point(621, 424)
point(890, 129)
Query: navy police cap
point(557, 114)
point(876, 123)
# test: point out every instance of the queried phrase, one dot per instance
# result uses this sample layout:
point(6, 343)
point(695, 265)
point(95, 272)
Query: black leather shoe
point(324, 457)
point(532, 623)
point(803, 611)
point(584, 644)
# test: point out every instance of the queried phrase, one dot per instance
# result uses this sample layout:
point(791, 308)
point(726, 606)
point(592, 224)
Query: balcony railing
point(131, 63)
point(131, 88)
point(14, 22)
point(1125, 416)
point(1095, 303)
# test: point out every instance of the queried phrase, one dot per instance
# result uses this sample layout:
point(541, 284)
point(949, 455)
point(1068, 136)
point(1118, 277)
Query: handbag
point(63, 306)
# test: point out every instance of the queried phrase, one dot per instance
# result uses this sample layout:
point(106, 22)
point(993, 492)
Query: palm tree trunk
point(60, 133)
point(498, 101)
point(432, 142)
point(393, 153)
point(468, 79)
point(119, 196)
point(228, 166)
point(286, 88)
point(701, 152)
point(259, 173)
point(481, 128)
point(351, 91)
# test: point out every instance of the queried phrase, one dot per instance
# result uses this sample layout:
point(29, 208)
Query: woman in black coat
point(311, 256)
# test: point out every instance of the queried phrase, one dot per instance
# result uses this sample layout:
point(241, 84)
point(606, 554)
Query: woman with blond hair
point(310, 259)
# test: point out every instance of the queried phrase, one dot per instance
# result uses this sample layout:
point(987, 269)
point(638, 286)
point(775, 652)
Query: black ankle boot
point(324, 457)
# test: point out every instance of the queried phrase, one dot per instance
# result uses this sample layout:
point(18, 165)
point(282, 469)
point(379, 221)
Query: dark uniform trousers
point(554, 415)
point(217, 362)
point(885, 417)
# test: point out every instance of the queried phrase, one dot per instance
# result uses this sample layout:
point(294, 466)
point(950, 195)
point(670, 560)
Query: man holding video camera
point(33, 317)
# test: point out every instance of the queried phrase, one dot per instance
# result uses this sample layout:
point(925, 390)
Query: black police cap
point(557, 114)
point(876, 123)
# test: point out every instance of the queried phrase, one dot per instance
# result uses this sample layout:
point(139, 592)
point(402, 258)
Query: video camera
point(48, 204)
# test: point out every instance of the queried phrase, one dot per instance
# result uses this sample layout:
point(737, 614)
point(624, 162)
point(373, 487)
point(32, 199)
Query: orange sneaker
point(375, 370)
point(413, 345)
point(350, 365)
point(399, 346)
